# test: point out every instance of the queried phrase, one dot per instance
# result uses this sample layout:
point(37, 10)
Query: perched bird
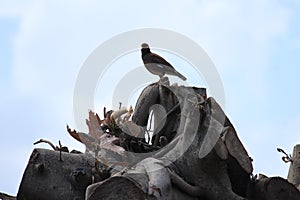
point(156, 64)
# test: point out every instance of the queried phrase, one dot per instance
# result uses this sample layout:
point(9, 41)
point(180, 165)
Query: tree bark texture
point(294, 171)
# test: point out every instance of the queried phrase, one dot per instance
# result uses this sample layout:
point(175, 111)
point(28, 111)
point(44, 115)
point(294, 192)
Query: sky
point(255, 46)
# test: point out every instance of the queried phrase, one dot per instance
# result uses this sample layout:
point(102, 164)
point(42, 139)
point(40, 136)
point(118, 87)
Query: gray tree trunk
point(195, 154)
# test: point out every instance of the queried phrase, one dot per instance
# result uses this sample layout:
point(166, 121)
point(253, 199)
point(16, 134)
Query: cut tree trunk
point(182, 170)
point(48, 178)
point(274, 188)
point(294, 171)
point(6, 197)
point(195, 154)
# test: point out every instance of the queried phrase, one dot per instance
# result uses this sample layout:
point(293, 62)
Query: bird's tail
point(180, 75)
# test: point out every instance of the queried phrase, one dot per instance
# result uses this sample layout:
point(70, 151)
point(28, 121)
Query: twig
point(48, 142)
point(148, 145)
point(60, 148)
point(286, 158)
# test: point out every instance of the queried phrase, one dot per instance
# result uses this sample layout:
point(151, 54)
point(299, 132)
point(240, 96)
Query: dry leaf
point(94, 125)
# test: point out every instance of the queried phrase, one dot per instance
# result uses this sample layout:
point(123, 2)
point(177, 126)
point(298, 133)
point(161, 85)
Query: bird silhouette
point(156, 64)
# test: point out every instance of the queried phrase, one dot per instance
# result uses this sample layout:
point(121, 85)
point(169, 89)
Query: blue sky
point(255, 46)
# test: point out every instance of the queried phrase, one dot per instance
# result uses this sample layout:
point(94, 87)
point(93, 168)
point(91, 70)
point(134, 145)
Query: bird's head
point(145, 46)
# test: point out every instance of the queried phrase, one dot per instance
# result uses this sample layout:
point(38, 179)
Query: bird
point(156, 64)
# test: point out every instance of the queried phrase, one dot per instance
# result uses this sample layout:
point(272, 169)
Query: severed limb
point(48, 142)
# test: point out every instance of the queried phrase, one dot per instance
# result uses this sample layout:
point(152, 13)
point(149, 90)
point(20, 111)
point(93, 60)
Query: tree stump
point(197, 122)
point(46, 177)
point(195, 153)
point(6, 197)
point(294, 171)
point(274, 188)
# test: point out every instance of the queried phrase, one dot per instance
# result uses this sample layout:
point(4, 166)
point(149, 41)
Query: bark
point(274, 188)
point(6, 197)
point(46, 177)
point(294, 175)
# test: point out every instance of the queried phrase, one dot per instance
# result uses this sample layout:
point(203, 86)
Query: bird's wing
point(155, 58)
